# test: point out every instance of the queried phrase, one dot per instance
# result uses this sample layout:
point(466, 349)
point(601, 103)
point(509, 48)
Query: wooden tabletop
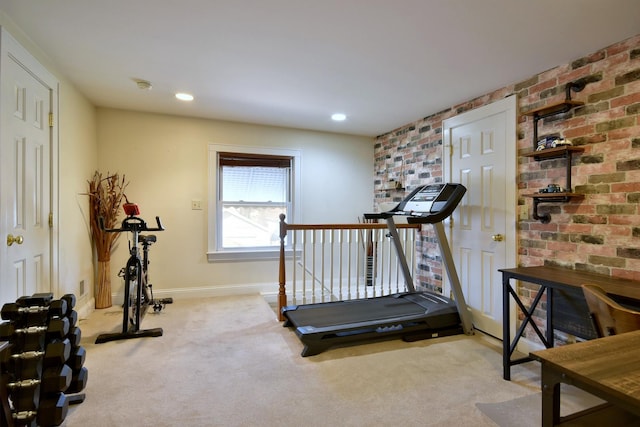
point(611, 364)
point(567, 277)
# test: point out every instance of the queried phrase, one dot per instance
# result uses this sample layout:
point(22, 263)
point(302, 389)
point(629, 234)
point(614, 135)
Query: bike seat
point(148, 239)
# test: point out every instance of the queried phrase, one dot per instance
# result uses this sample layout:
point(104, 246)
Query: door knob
point(17, 239)
point(497, 237)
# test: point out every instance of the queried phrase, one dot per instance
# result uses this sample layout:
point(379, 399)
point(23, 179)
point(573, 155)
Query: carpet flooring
point(227, 361)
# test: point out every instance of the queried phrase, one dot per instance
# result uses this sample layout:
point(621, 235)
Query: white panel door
point(25, 178)
point(481, 144)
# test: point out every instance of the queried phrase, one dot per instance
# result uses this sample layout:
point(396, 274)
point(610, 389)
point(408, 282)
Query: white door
point(25, 176)
point(482, 156)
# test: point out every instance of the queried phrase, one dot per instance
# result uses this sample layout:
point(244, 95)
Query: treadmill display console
point(431, 203)
point(423, 200)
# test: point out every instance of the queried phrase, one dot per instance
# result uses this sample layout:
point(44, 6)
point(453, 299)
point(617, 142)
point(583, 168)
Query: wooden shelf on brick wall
point(393, 186)
point(555, 197)
point(565, 151)
point(538, 198)
point(553, 109)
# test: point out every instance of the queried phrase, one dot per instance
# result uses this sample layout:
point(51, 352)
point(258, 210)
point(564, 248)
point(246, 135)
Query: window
point(250, 188)
point(253, 190)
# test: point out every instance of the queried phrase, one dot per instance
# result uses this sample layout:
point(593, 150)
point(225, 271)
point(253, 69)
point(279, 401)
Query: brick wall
point(600, 233)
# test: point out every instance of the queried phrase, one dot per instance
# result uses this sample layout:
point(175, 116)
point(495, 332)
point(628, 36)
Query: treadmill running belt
point(354, 311)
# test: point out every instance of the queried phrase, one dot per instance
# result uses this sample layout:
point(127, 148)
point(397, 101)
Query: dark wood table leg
point(506, 329)
point(550, 396)
point(550, 302)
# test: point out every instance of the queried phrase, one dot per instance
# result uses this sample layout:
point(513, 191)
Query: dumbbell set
point(45, 369)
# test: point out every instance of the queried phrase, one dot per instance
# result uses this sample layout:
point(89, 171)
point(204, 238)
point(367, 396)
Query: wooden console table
point(608, 368)
point(548, 278)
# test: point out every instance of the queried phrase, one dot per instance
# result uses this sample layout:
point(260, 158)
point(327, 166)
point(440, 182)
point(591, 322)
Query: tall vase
point(103, 284)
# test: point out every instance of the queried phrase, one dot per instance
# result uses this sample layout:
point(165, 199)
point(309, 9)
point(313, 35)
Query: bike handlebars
point(131, 223)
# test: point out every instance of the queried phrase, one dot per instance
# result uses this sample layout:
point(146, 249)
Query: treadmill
point(409, 315)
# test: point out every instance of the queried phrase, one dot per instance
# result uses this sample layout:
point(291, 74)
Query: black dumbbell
point(53, 410)
point(24, 316)
point(27, 312)
point(76, 360)
point(25, 395)
point(57, 352)
point(30, 338)
point(78, 381)
point(34, 338)
point(72, 315)
point(58, 328)
point(55, 329)
point(71, 301)
point(40, 299)
point(55, 379)
point(75, 335)
point(23, 367)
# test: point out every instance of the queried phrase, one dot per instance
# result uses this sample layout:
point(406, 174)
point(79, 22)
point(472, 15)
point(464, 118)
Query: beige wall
point(77, 160)
point(164, 158)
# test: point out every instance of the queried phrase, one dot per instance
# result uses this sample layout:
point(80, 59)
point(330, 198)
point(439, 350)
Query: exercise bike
point(138, 291)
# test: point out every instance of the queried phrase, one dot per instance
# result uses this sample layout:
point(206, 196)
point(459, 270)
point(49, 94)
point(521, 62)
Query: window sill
point(243, 256)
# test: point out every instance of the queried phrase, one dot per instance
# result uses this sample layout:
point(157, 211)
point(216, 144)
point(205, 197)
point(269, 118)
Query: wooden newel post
point(282, 291)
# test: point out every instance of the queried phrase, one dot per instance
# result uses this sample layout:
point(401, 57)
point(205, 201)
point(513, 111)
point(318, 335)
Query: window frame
point(216, 254)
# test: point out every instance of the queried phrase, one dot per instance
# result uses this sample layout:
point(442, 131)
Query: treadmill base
point(411, 316)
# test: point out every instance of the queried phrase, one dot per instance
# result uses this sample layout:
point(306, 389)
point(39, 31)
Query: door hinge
point(50, 120)
point(50, 219)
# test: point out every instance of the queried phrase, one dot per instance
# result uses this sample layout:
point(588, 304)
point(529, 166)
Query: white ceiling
point(384, 63)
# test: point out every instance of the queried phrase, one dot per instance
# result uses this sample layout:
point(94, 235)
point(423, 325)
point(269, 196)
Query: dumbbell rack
point(43, 369)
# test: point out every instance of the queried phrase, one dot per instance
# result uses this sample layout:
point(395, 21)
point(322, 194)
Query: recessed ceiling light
point(184, 96)
point(338, 117)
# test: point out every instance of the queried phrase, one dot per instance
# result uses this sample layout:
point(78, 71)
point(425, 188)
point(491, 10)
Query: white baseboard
point(88, 306)
point(208, 291)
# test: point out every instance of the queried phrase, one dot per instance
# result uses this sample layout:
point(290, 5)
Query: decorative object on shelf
point(395, 185)
point(559, 108)
point(106, 195)
point(551, 142)
point(552, 188)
